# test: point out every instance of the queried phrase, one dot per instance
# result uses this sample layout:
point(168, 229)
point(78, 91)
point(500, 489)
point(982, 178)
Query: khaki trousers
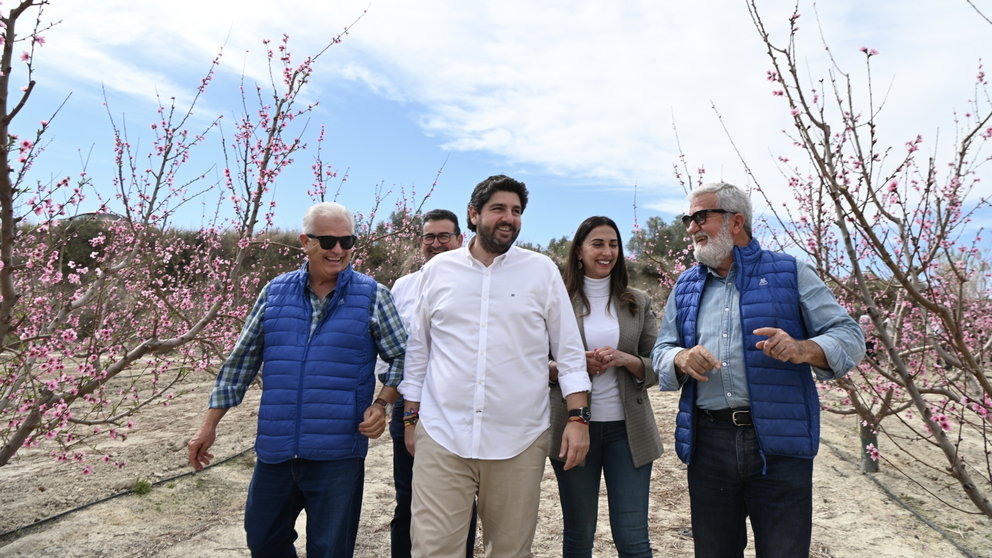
point(445, 486)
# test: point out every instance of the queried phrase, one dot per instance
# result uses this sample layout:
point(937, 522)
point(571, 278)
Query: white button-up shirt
point(477, 355)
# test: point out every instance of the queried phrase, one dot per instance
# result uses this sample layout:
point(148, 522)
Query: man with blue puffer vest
point(742, 331)
point(317, 331)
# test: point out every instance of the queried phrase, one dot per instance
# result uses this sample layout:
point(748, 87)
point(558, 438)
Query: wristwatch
point(581, 414)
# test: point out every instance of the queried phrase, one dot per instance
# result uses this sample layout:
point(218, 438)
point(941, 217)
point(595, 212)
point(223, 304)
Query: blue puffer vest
point(785, 407)
point(315, 393)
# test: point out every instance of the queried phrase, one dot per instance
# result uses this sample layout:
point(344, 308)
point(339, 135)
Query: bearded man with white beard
point(742, 332)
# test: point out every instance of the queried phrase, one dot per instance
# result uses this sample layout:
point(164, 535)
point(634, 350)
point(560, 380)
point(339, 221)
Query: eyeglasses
point(443, 238)
point(700, 216)
point(328, 242)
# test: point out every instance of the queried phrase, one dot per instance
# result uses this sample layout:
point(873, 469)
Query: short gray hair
point(729, 197)
point(331, 210)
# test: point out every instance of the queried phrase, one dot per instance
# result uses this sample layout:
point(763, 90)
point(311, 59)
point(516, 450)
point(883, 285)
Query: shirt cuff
point(667, 379)
point(411, 391)
point(574, 382)
point(837, 358)
point(225, 397)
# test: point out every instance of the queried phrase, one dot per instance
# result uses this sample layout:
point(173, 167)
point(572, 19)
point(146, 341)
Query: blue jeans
point(626, 490)
point(399, 527)
point(330, 491)
point(726, 485)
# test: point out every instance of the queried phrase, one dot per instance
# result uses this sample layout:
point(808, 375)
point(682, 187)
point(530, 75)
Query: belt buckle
point(733, 417)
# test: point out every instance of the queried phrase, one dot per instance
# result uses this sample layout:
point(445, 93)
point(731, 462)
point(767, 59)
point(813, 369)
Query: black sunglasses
point(443, 238)
point(700, 216)
point(328, 242)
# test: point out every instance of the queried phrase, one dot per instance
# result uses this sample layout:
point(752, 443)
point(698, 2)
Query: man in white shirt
point(440, 233)
point(476, 382)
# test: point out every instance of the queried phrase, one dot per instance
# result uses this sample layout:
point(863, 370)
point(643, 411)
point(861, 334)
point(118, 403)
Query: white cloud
point(585, 89)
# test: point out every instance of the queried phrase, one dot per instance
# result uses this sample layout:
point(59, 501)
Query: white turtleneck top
point(601, 330)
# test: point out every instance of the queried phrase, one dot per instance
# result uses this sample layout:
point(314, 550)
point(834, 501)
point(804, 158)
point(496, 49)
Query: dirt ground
point(201, 514)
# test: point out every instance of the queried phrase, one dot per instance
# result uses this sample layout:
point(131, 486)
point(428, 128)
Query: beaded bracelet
point(411, 417)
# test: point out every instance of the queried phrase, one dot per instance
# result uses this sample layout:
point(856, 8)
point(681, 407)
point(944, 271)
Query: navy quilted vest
point(315, 393)
point(785, 406)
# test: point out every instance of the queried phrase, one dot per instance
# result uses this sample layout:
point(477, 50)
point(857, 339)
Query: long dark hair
point(618, 275)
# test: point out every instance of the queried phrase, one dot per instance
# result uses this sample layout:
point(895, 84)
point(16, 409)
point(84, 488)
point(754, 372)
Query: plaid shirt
point(241, 366)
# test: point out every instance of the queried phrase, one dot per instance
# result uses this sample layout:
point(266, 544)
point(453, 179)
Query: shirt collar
point(497, 261)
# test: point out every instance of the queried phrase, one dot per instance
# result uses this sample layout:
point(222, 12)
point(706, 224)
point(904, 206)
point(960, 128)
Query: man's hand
point(375, 422)
point(696, 362)
point(410, 431)
point(409, 437)
point(781, 346)
point(198, 445)
point(574, 443)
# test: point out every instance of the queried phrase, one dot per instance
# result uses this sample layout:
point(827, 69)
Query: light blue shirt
point(718, 328)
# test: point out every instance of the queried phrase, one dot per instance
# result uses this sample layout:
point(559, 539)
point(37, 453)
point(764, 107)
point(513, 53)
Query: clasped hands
point(697, 361)
point(597, 361)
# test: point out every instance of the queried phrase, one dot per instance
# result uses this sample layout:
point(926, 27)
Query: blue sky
point(576, 98)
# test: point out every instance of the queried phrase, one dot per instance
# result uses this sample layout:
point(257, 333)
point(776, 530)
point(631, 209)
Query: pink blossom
point(44, 123)
point(25, 56)
point(88, 470)
point(873, 452)
point(38, 39)
point(794, 112)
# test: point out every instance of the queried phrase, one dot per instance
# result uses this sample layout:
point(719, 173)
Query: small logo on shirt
point(762, 281)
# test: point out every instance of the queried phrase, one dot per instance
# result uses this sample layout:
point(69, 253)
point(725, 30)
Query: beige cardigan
point(637, 336)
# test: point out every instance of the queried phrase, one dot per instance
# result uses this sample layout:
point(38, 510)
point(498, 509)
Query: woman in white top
point(618, 329)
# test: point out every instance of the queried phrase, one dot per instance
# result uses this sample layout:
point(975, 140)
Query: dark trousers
point(330, 491)
point(399, 527)
point(726, 485)
point(627, 489)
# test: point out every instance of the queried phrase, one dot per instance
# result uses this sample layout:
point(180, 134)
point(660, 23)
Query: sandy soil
point(201, 515)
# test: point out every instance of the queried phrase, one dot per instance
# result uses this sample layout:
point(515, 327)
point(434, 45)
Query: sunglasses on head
point(328, 242)
point(700, 216)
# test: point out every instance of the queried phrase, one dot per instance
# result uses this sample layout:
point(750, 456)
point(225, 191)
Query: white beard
point(716, 250)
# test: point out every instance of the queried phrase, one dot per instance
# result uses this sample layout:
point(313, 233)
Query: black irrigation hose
point(3, 536)
point(903, 504)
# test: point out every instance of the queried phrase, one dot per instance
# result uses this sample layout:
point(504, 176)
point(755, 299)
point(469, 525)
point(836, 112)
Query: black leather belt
point(738, 417)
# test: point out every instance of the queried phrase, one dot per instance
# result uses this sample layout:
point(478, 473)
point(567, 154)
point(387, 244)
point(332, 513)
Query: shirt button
point(726, 309)
point(478, 410)
point(729, 394)
point(724, 363)
point(724, 334)
point(482, 353)
point(484, 325)
point(480, 382)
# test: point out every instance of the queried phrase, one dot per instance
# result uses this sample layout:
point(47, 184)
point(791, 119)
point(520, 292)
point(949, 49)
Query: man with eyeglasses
point(440, 233)
point(317, 331)
point(742, 332)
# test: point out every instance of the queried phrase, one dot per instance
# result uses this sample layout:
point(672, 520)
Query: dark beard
point(489, 243)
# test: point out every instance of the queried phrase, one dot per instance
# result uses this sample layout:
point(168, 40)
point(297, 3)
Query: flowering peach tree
point(92, 335)
point(893, 231)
